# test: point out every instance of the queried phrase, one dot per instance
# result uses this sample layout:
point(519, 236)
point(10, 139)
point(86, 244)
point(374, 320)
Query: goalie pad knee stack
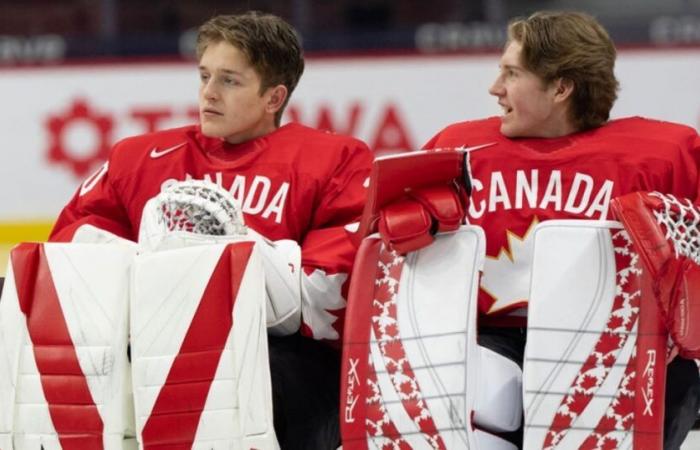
point(199, 349)
point(64, 373)
point(413, 375)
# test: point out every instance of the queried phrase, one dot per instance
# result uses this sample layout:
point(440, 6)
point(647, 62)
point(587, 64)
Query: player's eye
point(230, 81)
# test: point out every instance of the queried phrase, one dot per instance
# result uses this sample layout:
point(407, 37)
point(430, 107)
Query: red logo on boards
point(79, 115)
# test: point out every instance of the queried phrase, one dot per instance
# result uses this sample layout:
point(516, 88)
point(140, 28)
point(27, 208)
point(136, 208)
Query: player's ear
point(276, 97)
point(564, 88)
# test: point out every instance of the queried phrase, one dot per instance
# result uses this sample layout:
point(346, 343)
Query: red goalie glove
point(666, 233)
point(410, 223)
point(414, 195)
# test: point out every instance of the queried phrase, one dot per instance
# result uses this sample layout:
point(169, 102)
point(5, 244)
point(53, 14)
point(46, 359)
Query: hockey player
point(553, 154)
point(292, 182)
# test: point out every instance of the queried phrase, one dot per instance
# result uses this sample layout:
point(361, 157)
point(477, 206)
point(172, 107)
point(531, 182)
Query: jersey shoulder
point(321, 150)
point(320, 138)
point(468, 133)
point(650, 130)
point(155, 140)
point(133, 154)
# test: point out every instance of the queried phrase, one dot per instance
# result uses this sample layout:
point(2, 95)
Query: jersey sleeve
point(432, 143)
point(327, 251)
point(685, 181)
point(96, 203)
point(695, 155)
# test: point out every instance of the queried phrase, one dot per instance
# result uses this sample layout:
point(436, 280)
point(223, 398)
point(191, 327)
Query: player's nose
point(496, 88)
point(209, 90)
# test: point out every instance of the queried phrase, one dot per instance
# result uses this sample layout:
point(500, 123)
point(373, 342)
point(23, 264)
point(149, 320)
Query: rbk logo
point(155, 153)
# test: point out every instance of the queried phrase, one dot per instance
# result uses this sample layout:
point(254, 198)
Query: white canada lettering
point(552, 193)
point(276, 205)
point(237, 189)
point(473, 212)
point(526, 187)
point(582, 195)
point(579, 179)
point(498, 193)
point(601, 202)
point(260, 188)
point(255, 199)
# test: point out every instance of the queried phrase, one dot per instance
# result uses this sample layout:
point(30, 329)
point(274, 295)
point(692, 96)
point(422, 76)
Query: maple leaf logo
point(328, 288)
point(506, 277)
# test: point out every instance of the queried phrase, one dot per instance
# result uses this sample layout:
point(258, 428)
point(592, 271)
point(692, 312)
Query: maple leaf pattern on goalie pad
point(618, 418)
point(386, 333)
point(379, 424)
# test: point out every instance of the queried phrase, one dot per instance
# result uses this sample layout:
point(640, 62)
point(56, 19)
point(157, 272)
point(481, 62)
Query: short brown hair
point(574, 46)
point(270, 44)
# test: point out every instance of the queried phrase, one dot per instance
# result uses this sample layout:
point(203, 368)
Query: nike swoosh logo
point(155, 153)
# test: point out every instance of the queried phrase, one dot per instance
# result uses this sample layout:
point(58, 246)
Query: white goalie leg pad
point(199, 348)
point(64, 373)
point(90, 234)
point(582, 380)
point(498, 404)
point(281, 262)
point(410, 358)
point(13, 335)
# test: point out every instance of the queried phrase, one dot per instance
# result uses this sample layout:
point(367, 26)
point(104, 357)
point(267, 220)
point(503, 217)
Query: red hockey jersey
point(520, 182)
point(295, 183)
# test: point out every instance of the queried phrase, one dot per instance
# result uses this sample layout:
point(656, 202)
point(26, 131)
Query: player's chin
point(511, 127)
point(508, 129)
point(213, 130)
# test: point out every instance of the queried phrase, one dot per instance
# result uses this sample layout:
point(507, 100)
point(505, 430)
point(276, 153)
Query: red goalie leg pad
point(685, 309)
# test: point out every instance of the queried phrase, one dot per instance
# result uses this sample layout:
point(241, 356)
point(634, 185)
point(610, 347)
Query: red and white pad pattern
point(199, 381)
point(63, 338)
point(410, 356)
point(586, 375)
point(385, 331)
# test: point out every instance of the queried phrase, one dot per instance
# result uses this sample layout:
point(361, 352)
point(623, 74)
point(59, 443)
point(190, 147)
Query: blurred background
point(77, 75)
point(34, 31)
